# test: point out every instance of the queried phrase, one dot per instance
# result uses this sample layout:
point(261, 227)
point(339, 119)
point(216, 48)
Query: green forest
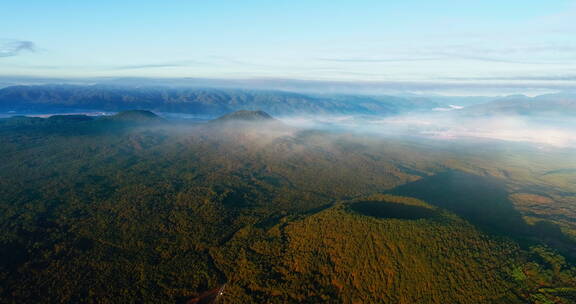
point(133, 208)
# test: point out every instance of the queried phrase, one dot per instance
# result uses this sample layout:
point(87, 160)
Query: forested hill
point(136, 208)
point(198, 101)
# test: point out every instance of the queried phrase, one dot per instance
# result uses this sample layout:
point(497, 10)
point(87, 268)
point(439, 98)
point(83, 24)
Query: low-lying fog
point(554, 131)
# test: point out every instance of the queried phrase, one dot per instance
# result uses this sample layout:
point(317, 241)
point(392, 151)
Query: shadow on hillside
point(381, 209)
point(483, 201)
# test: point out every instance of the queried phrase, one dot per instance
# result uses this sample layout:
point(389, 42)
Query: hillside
point(95, 210)
point(135, 116)
point(245, 116)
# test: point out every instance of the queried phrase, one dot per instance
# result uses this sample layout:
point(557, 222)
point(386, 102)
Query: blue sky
point(532, 43)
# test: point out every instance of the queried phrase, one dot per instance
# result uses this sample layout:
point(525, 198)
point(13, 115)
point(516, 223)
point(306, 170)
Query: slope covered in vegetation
point(101, 210)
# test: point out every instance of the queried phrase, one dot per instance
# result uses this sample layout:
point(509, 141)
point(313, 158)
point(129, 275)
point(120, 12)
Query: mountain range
point(215, 102)
point(548, 104)
point(208, 101)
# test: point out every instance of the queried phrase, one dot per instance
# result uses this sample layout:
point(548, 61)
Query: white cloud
point(450, 127)
point(10, 48)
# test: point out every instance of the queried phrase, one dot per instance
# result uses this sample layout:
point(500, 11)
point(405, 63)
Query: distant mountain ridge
point(244, 115)
point(135, 116)
point(79, 122)
point(217, 102)
point(549, 104)
point(199, 101)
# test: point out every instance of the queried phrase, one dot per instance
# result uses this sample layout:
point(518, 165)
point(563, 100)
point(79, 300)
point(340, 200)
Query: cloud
point(448, 125)
point(500, 60)
point(447, 56)
point(566, 77)
point(157, 65)
point(211, 61)
point(376, 60)
point(149, 66)
point(533, 54)
point(549, 48)
point(16, 47)
point(506, 53)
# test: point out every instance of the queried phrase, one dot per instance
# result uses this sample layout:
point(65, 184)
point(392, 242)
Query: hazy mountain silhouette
point(208, 101)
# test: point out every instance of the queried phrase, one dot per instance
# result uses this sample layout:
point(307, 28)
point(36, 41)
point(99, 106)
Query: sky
point(523, 45)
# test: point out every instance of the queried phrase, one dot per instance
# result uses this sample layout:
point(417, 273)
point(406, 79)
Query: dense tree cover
point(129, 209)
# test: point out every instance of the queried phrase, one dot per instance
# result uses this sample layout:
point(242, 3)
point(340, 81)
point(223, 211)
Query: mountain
point(216, 102)
point(246, 116)
point(81, 124)
point(256, 128)
point(134, 116)
point(54, 98)
point(549, 104)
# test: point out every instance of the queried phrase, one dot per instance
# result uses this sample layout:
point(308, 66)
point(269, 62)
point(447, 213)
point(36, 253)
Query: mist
point(553, 132)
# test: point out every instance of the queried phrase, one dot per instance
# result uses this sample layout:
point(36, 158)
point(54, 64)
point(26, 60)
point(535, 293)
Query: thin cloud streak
point(569, 77)
point(447, 57)
point(376, 60)
point(16, 47)
point(528, 54)
point(154, 66)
